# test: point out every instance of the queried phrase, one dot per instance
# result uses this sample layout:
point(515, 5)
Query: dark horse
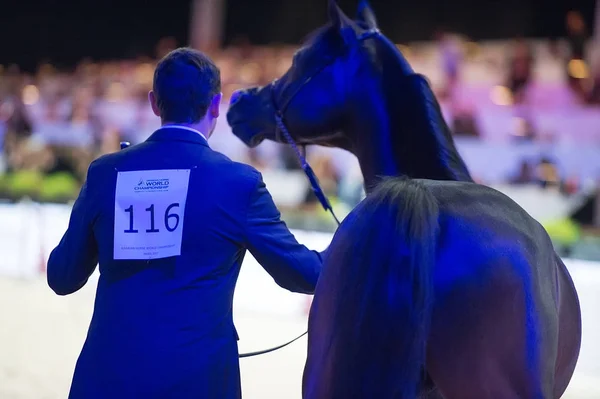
point(434, 286)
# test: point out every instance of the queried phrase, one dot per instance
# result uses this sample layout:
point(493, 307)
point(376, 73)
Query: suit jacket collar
point(174, 134)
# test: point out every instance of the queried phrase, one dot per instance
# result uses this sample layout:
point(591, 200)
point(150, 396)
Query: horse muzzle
point(251, 116)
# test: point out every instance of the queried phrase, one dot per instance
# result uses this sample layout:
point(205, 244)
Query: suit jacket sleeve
point(75, 258)
point(292, 265)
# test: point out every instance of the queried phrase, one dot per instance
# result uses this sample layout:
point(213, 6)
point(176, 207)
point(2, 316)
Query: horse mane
point(316, 35)
point(422, 143)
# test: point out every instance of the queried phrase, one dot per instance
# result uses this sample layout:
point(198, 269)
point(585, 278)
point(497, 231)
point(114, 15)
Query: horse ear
point(366, 14)
point(346, 27)
point(336, 15)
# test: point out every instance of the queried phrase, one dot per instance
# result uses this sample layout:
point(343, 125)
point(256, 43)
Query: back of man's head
point(185, 83)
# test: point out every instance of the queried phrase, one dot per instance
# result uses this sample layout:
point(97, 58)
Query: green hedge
point(57, 187)
point(63, 187)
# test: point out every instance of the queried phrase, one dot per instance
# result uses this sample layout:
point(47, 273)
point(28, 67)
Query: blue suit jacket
point(163, 328)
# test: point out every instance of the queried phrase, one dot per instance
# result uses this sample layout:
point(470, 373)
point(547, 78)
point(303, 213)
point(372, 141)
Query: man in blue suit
point(169, 222)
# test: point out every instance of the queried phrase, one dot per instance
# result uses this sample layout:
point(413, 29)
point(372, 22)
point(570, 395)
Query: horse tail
point(384, 307)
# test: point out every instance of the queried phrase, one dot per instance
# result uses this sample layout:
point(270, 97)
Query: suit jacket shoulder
point(234, 182)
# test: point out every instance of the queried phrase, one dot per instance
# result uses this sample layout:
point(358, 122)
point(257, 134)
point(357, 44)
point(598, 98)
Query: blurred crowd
point(53, 122)
point(577, 58)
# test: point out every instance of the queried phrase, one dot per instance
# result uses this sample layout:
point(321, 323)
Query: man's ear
point(153, 103)
point(215, 105)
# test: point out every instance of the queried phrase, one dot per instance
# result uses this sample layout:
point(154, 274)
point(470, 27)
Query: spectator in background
point(524, 129)
point(54, 146)
point(144, 122)
point(18, 128)
point(254, 159)
point(576, 35)
point(289, 158)
point(2, 147)
point(451, 53)
point(12, 109)
point(593, 96)
point(351, 187)
point(520, 70)
point(72, 131)
point(464, 121)
point(525, 174)
point(328, 179)
point(84, 127)
point(547, 173)
point(576, 67)
point(18, 124)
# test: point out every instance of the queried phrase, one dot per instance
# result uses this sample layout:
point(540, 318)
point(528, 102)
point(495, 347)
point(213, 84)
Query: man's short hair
point(185, 82)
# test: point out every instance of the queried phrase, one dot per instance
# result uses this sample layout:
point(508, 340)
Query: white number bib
point(149, 213)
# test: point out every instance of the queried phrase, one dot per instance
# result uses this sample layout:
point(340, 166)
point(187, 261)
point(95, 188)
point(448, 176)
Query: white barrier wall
point(29, 232)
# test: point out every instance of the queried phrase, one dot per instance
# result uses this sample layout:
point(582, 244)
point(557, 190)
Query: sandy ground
point(41, 335)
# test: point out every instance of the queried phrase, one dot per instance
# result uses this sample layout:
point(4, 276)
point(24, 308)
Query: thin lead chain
point(290, 140)
point(322, 198)
point(251, 354)
point(314, 182)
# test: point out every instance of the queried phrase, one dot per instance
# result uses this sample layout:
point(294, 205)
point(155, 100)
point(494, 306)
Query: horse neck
point(372, 147)
point(405, 135)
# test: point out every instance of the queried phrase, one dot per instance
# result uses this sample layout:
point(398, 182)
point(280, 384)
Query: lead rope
point(314, 182)
point(316, 187)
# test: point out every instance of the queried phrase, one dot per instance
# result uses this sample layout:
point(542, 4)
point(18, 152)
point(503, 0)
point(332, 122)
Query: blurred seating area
point(523, 113)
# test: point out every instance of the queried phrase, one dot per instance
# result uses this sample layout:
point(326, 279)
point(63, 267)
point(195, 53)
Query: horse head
point(312, 96)
point(348, 87)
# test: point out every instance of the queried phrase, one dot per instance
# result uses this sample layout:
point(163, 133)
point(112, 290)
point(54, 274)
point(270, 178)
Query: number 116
point(152, 229)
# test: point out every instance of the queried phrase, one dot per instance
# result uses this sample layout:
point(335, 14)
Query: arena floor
point(41, 335)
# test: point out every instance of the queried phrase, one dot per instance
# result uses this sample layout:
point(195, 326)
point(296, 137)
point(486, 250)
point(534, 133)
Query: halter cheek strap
point(312, 178)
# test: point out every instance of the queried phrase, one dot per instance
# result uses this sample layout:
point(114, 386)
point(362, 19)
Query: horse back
point(486, 236)
point(481, 224)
